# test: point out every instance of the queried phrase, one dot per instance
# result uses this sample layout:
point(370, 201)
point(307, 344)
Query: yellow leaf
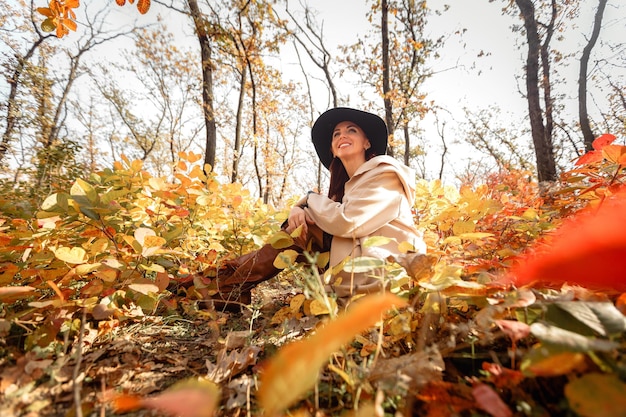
point(323, 259)
point(405, 247)
point(141, 233)
point(144, 288)
point(153, 241)
point(136, 165)
point(596, 394)
point(285, 258)
point(318, 308)
point(83, 188)
point(294, 369)
point(285, 313)
point(87, 268)
point(280, 240)
point(543, 363)
point(475, 235)
point(463, 227)
point(71, 255)
point(296, 302)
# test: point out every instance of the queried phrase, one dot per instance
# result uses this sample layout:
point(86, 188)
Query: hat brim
point(373, 126)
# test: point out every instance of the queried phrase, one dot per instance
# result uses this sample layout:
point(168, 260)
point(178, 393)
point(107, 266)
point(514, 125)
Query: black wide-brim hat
point(322, 132)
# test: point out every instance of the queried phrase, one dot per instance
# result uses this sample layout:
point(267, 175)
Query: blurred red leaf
point(487, 399)
point(514, 329)
point(588, 250)
point(502, 377)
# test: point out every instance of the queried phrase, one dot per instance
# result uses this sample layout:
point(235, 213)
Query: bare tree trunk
point(386, 77)
point(542, 140)
point(237, 144)
point(583, 115)
point(14, 82)
point(207, 82)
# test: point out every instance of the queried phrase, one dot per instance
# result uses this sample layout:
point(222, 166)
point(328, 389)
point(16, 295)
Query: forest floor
point(147, 355)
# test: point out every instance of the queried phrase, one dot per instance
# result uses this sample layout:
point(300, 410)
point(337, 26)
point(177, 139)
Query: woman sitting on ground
point(370, 194)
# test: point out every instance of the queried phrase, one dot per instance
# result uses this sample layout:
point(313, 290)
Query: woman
point(370, 194)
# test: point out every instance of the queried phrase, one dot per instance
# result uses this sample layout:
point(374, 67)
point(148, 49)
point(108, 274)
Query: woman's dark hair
point(339, 176)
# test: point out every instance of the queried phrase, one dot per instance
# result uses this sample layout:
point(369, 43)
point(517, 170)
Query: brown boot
point(230, 286)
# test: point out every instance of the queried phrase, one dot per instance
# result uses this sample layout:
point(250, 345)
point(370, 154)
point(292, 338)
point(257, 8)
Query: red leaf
point(590, 157)
point(588, 250)
point(487, 399)
point(516, 330)
point(603, 140)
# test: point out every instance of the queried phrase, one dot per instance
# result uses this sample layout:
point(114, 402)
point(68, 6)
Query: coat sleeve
point(371, 204)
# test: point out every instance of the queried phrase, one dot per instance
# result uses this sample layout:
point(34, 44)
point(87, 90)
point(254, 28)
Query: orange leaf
point(45, 11)
point(588, 250)
point(590, 157)
point(120, 2)
point(124, 403)
point(613, 153)
point(188, 398)
point(143, 6)
point(603, 140)
point(295, 367)
point(10, 294)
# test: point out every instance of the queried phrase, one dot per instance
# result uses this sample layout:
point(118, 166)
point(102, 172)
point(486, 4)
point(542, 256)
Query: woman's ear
point(367, 144)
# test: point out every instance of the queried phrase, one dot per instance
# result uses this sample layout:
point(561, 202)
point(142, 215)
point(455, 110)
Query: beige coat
point(378, 201)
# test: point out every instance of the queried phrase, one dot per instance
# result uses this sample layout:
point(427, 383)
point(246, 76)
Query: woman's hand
point(297, 218)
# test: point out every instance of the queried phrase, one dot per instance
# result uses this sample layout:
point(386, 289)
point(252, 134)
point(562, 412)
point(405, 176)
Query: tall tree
point(583, 114)
point(204, 40)
point(15, 66)
point(541, 120)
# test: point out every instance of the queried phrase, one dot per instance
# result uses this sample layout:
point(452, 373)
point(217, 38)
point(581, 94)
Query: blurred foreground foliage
point(453, 339)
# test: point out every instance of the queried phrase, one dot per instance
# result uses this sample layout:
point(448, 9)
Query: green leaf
point(48, 25)
point(55, 202)
point(374, 241)
point(363, 264)
point(588, 318)
point(569, 340)
point(83, 188)
point(596, 394)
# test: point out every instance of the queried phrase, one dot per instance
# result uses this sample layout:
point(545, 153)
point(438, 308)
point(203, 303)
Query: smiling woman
point(370, 194)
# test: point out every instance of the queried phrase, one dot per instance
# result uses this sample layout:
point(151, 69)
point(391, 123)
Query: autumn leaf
point(588, 250)
point(294, 369)
point(10, 294)
point(143, 6)
point(487, 399)
point(73, 255)
point(597, 394)
point(187, 398)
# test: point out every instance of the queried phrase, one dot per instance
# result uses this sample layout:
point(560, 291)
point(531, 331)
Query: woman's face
point(349, 141)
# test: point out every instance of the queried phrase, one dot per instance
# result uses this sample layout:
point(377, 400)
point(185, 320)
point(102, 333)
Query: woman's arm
point(373, 202)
